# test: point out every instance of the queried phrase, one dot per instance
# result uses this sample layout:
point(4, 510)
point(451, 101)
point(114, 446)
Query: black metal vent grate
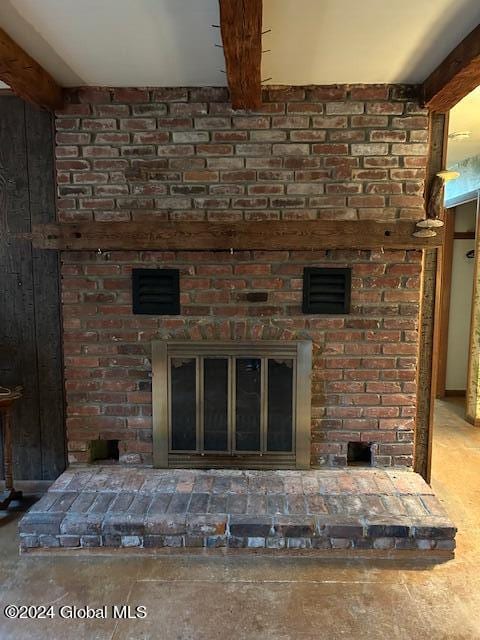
point(326, 290)
point(156, 291)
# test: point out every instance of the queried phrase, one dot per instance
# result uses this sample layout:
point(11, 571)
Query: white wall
point(460, 301)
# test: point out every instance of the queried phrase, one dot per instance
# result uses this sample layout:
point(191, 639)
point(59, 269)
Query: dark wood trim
point(444, 276)
point(464, 235)
point(223, 236)
point(241, 28)
point(429, 317)
point(455, 393)
point(27, 79)
point(456, 76)
point(473, 366)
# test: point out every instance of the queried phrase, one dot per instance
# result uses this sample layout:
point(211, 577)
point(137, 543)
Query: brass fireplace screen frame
point(299, 351)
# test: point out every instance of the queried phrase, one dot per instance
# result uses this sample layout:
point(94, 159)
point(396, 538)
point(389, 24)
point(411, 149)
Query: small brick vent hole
point(359, 454)
point(104, 451)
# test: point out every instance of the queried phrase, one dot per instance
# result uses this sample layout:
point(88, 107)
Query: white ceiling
point(348, 41)
point(171, 42)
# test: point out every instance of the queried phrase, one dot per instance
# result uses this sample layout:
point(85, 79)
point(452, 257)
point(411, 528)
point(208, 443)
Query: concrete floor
point(255, 597)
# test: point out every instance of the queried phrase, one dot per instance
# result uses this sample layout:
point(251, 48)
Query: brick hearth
point(357, 510)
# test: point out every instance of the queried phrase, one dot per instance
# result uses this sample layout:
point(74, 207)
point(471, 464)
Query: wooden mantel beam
point(456, 76)
point(241, 27)
point(27, 79)
point(302, 235)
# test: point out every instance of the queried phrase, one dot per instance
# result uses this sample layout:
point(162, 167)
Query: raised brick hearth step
point(358, 509)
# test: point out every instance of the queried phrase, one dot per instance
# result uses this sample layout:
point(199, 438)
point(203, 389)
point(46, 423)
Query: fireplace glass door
point(232, 405)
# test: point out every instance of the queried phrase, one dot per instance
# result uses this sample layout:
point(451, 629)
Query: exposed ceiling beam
point(27, 79)
point(241, 27)
point(456, 76)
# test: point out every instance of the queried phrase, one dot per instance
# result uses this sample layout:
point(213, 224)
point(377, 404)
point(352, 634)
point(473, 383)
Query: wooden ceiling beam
point(241, 28)
point(271, 235)
point(26, 78)
point(456, 76)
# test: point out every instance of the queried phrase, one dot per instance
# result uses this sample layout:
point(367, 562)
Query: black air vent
point(156, 291)
point(326, 290)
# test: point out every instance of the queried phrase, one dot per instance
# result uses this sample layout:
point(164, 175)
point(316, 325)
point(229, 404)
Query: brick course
point(152, 144)
point(336, 152)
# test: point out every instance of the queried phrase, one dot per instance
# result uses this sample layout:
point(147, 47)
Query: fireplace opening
point(232, 404)
point(104, 451)
point(359, 454)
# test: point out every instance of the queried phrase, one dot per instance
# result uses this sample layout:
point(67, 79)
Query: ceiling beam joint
point(456, 76)
point(26, 78)
point(241, 29)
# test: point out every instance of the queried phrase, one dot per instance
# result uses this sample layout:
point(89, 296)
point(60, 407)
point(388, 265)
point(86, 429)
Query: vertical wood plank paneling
point(17, 315)
point(25, 306)
point(45, 270)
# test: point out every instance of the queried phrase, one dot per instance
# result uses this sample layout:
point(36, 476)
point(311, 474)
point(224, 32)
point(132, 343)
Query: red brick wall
point(321, 152)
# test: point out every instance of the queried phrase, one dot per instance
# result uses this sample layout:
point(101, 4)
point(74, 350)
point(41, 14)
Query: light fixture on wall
point(459, 135)
point(448, 174)
point(425, 228)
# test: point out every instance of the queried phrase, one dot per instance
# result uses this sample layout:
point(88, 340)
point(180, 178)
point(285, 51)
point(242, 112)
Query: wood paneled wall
point(30, 342)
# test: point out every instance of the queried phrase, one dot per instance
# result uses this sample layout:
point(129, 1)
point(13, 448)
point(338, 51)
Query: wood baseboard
point(29, 486)
point(472, 420)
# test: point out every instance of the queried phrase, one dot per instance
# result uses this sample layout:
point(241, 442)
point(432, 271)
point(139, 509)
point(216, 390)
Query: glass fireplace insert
point(232, 404)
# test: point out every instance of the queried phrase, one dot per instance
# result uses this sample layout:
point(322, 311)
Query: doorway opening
point(457, 280)
point(458, 266)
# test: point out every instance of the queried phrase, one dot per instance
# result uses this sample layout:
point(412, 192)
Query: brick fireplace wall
point(356, 152)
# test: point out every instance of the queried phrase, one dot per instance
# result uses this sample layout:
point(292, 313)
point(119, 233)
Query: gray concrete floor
point(258, 597)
